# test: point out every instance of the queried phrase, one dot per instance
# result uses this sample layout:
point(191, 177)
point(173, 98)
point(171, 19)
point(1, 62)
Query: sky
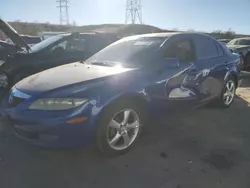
point(200, 15)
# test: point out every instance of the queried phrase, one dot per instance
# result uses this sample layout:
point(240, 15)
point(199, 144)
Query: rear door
point(198, 78)
point(210, 67)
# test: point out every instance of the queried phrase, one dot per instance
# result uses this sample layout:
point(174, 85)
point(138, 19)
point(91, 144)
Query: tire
point(110, 140)
point(227, 97)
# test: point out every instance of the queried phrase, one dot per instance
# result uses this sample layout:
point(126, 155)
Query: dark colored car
point(30, 40)
point(241, 46)
point(6, 49)
point(49, 53)
point(106, 99)
point(9, 49)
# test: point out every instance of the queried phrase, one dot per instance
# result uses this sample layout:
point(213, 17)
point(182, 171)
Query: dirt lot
point(208, 148)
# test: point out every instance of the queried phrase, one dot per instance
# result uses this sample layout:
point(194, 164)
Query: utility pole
point(133, 11)
point(64, 14)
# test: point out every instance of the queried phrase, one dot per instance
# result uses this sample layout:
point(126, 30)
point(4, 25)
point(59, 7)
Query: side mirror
point(171, 62)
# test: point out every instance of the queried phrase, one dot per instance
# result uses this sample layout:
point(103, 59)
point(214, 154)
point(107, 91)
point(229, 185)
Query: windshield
point(45, 43)
point(132, 52)
point(31, 40)
point(239, 42)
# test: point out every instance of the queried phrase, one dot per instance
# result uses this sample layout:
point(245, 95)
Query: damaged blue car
point(107, 99)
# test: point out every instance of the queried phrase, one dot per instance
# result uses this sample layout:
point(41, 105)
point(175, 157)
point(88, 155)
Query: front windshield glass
point(231, 42)
point(130, 52)
point(240, 42)
point(45, 43)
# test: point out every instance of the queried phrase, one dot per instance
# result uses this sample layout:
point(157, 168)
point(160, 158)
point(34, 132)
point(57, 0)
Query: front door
point(180, 89)
point(173, 88)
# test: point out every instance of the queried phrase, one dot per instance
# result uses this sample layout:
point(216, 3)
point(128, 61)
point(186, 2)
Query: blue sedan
point(107, 99)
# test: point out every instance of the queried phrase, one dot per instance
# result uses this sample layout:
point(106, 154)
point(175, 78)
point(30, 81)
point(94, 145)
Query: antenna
point(133, 11)
point(64, 14)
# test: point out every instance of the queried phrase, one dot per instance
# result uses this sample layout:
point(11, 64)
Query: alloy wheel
point(123, 129)
point(229, 92)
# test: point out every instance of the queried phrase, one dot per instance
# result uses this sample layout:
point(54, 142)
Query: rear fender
point(234, 74)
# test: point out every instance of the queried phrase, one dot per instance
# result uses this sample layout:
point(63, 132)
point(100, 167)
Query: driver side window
point(183, 50)
point(70, 45)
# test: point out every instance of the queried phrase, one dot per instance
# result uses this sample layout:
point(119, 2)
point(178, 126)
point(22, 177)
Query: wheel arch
point(232, 74)
point(137, 98)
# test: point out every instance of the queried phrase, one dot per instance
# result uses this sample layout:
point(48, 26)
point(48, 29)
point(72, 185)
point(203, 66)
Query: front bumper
point(55, 136)
point(51, 132)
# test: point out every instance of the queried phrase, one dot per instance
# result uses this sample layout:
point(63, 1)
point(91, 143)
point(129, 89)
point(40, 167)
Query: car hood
point(237, 46)
point(65, 75)
point(13, 35)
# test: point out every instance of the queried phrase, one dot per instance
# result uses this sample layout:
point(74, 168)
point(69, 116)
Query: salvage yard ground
point(204, 148)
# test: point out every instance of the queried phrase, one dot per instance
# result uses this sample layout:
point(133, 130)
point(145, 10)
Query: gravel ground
point(206, 148)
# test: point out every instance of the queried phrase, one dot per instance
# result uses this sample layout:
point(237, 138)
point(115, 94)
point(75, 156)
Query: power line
point(133, 11)
point(64, 13)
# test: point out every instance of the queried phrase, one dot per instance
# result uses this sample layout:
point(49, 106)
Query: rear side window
point(205, 47)
point(219, 49)
point(225, 49)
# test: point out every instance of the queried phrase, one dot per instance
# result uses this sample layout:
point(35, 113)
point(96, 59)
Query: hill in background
point(120, 30)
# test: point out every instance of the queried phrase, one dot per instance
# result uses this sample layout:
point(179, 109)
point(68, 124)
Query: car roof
point(167, 35)
point(247, 38)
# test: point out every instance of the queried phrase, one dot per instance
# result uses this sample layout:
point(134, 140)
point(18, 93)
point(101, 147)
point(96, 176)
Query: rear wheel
point(119, 128)
point(228, 93)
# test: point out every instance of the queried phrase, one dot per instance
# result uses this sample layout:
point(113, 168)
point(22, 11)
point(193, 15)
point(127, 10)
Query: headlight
point(56, 103)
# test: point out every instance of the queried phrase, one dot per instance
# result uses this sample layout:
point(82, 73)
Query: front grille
point(16, 101)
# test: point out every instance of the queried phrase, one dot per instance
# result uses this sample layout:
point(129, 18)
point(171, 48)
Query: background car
point(6, 49)
point(225, 41)
point(241, 46)
point(49, 53)
point(30, 40)
point(106, 99)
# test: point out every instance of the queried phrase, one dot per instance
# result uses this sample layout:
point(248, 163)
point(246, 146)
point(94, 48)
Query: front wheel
point(228, 93)
point(119, 128)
